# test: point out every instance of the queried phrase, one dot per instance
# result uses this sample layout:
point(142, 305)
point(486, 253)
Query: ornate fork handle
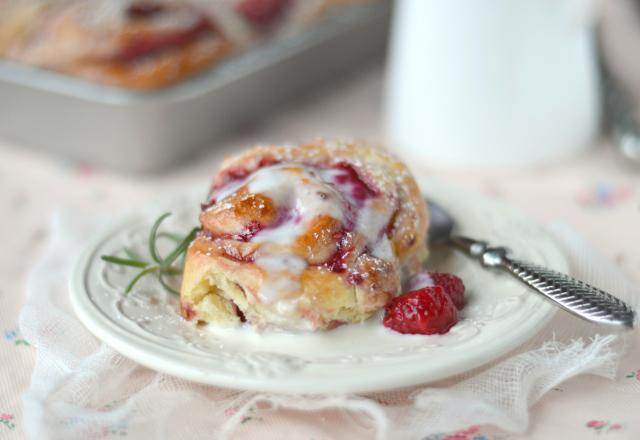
point(577, 297)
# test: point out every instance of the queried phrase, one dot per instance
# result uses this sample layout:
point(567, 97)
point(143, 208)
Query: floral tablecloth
point(597, 193)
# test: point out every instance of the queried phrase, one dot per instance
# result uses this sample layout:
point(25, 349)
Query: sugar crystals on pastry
point(304, 238)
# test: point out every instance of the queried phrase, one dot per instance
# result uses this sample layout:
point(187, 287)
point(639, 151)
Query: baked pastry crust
point(304, 238)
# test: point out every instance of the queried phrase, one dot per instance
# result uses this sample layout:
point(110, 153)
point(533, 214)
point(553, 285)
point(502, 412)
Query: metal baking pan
point(146, 131)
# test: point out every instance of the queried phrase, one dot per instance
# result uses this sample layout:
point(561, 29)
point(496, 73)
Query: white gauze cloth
point(82, 389)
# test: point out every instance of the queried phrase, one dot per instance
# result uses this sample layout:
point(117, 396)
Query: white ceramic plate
point(145, 325)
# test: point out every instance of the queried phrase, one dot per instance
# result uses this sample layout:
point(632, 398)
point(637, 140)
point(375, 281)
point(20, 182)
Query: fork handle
point(574, 296)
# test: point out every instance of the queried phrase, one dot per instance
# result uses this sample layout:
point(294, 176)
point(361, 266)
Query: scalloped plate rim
point(158, 357)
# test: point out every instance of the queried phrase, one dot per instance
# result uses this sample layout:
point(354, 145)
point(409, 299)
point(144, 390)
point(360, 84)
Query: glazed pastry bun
point(304, 238)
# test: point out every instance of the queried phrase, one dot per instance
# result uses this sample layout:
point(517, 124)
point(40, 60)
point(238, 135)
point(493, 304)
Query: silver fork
point(574, 296)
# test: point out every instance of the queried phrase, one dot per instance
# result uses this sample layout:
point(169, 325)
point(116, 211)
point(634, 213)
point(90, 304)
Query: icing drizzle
point(332, 207)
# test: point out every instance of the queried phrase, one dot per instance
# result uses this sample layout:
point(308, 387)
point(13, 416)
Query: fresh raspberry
point(424, 311)
point(452, 285)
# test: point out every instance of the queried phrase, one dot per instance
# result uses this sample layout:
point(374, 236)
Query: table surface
point(597, 193)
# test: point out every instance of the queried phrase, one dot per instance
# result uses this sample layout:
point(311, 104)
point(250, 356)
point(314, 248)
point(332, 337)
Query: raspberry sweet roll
point(304, 238)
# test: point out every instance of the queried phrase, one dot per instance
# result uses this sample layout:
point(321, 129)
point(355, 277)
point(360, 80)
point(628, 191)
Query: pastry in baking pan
point(304, 238)
point(140, 45)
point(144, 44)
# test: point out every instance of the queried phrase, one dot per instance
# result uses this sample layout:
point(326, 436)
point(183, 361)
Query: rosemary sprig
point(153, 237)
point(162, 267)
point(167, 287)
point(124, 261)
point(131, 254)
point(180, 249)
point(137, 278)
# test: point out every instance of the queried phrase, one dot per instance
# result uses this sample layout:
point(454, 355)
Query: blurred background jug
point(492, 82)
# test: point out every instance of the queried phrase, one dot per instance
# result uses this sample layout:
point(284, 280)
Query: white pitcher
point(492, 82)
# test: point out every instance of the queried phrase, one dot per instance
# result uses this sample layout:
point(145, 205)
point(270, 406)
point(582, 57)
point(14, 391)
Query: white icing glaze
point(419, 281)
point(372, 216)
point(373, 220)
point(287, 307)
point(302, 194)
point(282, 272)
point(383, 249)
point(332, 177)
point(222, 193)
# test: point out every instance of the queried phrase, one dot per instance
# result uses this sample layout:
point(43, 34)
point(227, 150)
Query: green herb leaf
point(172, 271)
point(170, 235)
point(124, 261)
point(137, 278)
point(131, 254)
point(153, 236)
point(180, 249)
point(165, 285)
point(164, 267)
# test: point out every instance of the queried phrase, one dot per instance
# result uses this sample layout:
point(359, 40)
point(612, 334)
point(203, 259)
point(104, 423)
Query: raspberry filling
point(262, 13)
point(339, 260)
point(142, 10)
point(359, 190)
point(232, 252)
point(144, 44)
point(235, 174)
point(187, 311)
point(251, 230)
